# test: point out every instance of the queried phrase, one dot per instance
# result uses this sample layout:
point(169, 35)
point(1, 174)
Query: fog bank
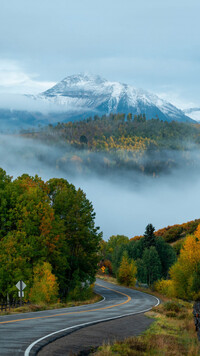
point(123, 204)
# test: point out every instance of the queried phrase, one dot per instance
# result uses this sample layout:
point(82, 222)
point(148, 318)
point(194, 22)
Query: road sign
point(19, 294)
point(21, 285)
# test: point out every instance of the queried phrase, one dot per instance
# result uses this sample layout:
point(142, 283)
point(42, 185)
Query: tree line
point(150, 260)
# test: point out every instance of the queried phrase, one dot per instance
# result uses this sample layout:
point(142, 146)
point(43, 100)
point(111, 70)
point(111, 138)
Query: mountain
point(193, 113)
point(80, 96)
point(86, 95)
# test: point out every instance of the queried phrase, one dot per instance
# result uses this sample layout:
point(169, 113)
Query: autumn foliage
point(175, 232)
point(185, 273)
point(45, 286)
point(127, 271)
point(47, 224)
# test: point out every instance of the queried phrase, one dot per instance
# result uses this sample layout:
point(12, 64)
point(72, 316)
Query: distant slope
point(176, 232)
point(108, 144)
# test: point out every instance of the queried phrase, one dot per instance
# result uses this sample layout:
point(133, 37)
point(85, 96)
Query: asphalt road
point(24, 334)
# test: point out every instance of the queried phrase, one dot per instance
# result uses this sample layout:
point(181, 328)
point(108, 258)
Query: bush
point(81, 292)
point(171, 314)
point(165, 287)
point(173, 307)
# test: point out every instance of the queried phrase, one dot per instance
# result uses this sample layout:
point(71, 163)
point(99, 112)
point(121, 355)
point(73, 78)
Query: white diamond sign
point(23, 285)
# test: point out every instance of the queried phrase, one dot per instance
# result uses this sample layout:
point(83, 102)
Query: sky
point(154, 45)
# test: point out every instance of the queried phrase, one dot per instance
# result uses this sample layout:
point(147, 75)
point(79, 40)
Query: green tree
point(45, 222)
point(152, 265)
point(166, 254)
point(149, 236)
point(81, 236)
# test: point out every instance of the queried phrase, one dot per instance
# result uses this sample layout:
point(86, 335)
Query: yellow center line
point(76, 312)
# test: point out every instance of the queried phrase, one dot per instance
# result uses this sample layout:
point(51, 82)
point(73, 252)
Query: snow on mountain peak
point(94, 94)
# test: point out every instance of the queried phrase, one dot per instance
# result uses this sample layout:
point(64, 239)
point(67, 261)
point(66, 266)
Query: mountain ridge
point(80, 96)
point(94, 94)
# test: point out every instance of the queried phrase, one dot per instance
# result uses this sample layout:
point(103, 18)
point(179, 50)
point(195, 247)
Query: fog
point(34, 103)
point(124, 202)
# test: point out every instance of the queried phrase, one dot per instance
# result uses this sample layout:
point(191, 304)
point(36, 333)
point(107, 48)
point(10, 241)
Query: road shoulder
point(89, 338)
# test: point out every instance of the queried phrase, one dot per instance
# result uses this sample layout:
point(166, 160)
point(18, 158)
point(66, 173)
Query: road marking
point(75, 312)
point(27, 351)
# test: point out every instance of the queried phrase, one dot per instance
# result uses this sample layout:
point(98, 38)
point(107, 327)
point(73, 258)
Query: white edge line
point(27, 351)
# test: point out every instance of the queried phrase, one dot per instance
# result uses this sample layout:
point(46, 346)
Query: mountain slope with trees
point(109, 143)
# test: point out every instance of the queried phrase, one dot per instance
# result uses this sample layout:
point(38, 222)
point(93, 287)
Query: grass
point(38, 307)
point(107, 278)
point(171, 334)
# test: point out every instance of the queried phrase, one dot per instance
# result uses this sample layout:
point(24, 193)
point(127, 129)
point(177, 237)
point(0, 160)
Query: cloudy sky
point(154, 45)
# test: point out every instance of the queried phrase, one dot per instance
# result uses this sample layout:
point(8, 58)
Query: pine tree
point(152, 265)
point(149, 236)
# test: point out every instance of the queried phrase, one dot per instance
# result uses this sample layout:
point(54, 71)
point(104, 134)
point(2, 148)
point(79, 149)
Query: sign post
point(21, 285)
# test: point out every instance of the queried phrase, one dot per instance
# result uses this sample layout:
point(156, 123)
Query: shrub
point(165, 287)
point(80, 292)
point(172, 306)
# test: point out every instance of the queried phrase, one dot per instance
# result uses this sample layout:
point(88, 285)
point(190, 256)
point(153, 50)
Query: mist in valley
point(124, 202)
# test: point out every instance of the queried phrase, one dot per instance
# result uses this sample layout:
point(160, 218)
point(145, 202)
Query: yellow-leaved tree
point(45, 287)
point(127, 271)
point(185, 273)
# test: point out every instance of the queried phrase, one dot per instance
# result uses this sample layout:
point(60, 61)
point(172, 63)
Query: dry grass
point(34, 307)
point(107, 278)
point(173, 335)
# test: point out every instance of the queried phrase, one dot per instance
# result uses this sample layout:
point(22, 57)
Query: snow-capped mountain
point(90, 95)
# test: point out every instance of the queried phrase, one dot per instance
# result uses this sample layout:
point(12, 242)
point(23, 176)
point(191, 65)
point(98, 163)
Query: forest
point(110, 143)
point(149, 260)
point(48, 239)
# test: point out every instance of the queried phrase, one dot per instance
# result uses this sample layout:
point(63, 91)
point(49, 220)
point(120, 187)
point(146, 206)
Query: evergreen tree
point(149, 236)
point(152, 264)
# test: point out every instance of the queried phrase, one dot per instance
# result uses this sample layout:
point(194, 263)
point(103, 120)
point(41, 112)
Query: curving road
point(25, 334)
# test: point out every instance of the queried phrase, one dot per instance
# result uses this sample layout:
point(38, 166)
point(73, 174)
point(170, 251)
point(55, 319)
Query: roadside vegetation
point(171, 334)
point(44, 306)
point(172, 270)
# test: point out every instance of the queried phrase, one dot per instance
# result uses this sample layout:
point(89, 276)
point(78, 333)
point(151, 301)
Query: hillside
point(175, 232)
point(133, 143)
